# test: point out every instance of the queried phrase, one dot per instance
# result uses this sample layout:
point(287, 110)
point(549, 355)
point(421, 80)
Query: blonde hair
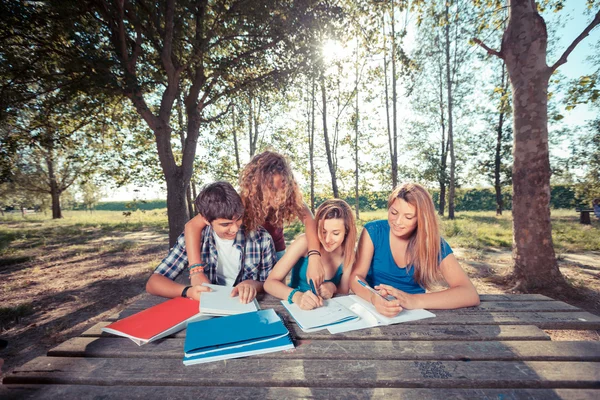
point(424, 245)
point(339, 209)
point(257, 190)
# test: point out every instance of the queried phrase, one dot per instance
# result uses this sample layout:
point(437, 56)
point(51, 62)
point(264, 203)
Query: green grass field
point(473, 229)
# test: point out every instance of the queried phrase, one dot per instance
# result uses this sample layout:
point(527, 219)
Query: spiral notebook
point(235, 336)
point(330, 313)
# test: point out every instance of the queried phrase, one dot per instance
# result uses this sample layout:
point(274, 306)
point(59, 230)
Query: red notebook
point(158, 321)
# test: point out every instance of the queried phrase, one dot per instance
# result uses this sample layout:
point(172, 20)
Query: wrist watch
point(184, 291)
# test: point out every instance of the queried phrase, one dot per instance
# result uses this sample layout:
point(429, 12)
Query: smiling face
point(226, 228)
point(402, 217)
point(332, 234)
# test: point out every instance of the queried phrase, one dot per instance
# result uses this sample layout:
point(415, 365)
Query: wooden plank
point(352, 350)
point(402, 332)
point(576, 320)
point(145, 300)
point(90, 392)
point(310, 373)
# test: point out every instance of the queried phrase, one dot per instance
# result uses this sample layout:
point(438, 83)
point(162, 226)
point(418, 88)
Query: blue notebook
point(240, 335)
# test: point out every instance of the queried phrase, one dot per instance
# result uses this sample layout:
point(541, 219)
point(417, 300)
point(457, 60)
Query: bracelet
point(313, 252)
point(196, 265)
point(292, 293)
point(196, 271)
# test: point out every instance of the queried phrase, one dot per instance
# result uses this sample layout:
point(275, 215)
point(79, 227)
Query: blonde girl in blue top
point(405, 255)
point(337, 237)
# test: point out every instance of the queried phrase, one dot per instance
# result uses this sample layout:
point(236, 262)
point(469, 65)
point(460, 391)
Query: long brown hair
point(257, 189)
point(339, 209)
point(424, 245)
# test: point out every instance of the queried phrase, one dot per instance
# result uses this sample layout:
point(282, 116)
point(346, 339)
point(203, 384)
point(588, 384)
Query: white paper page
point(220, 302)
point(310, 320)
point(366, 320)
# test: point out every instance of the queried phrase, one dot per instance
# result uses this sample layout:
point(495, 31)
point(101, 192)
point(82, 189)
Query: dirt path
point(65, 290)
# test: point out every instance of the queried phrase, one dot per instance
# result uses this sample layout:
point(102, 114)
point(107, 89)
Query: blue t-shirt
point(383, 267)
point(298, 280)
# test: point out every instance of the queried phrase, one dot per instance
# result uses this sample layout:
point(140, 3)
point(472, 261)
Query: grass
point(9, 315)
point(476, 230)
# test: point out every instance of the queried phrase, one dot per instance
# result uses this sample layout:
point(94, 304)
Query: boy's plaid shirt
point(257, 256)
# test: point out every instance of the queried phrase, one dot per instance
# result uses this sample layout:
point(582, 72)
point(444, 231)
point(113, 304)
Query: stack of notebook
point(235, 336)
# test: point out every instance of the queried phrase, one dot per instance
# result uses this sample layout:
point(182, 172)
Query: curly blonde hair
point(259, 193)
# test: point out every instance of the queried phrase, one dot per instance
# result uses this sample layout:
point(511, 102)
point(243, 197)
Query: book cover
point(220, 302)
point(156, 322)
point(235, 336)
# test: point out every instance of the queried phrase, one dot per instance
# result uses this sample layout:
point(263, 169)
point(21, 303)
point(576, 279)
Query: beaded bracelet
point(292, 293)
point(196, 270)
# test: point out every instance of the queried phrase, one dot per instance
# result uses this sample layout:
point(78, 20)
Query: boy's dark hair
point(219, 200)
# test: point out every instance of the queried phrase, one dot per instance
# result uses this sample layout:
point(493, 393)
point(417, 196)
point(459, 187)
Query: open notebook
point(220, 302)
point(369, 317)
point(235, 336)
point(158, 321)
point(320, 318)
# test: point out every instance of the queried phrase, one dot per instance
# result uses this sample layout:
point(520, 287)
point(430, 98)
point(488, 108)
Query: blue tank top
point(298, 279)
point(383, 267)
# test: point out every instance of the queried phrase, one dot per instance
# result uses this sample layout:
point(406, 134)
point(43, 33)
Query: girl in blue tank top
point(405, 255)
point(337, 236)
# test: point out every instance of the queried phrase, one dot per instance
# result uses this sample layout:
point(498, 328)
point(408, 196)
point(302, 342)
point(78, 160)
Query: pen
point(369, 288)
point(312, 287)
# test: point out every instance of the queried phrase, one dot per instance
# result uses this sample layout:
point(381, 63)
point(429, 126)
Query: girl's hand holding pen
point(309, 301)
point(387, 308)
point(404, 299)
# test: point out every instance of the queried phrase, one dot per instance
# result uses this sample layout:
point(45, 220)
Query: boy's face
point(226, 228)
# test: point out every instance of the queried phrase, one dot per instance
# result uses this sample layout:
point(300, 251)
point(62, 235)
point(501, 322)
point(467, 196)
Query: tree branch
point(489, 50)
point(586, 32)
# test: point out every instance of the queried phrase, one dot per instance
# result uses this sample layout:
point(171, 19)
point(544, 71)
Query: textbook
point(220, 302)
point(330, 313)
point(235, 336)
point(156, 322)
point(369, 317)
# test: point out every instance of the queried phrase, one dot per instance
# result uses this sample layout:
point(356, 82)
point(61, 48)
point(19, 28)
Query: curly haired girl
point(271, 198)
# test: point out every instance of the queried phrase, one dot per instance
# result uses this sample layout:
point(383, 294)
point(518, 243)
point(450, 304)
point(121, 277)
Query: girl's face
point(333, 232)
point(402, 218)
point(276, 197)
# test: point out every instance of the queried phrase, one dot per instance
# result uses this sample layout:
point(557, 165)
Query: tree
point(154, 52)
point(523, 50)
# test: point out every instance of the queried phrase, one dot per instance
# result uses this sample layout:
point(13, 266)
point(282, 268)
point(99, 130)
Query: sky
point(570, 22)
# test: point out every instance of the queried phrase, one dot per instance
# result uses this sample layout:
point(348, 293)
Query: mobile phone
point(369, 288)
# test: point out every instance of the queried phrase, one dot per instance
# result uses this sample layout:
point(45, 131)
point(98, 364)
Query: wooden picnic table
point(496, 350)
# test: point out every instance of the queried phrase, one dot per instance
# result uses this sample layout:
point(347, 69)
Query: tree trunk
point(524, 51)
point(326, 136)
point(54, 189)
point(356, 138)
point(498, 154)
point(394, 105)
point(450, 148)
point(195, 195)
point(311, 145)
point(235, 143)
point(387, 95)
point(444, 153)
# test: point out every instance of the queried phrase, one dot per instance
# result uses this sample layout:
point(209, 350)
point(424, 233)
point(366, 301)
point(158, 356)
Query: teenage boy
point(230, 255)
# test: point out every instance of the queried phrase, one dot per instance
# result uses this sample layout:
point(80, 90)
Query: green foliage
point(130, 206)
point(10, 315)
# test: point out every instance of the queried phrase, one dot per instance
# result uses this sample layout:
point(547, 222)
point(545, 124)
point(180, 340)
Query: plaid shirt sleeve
point(175, 262)
point(267, 262)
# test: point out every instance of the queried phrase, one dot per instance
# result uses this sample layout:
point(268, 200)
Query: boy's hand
point(309, 301)
point(194, 291)
point(387, 308)
point(327, 290)
point(246, 292)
